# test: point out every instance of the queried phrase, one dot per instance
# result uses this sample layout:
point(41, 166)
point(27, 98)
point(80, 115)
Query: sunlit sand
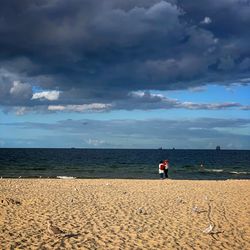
point(124, 214)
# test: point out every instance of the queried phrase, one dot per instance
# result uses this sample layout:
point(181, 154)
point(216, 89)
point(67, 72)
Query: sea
point(123, 163)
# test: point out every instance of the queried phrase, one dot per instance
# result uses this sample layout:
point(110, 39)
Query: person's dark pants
point(166, 173)
point(161, 175)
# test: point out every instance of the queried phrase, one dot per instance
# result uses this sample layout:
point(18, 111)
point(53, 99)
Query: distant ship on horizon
point(218, 148)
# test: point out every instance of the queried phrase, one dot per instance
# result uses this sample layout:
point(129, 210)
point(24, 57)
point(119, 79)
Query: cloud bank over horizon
point(86, 53)
point(204, 133)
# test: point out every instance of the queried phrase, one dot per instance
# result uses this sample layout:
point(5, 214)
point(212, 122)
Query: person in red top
point(166, 164)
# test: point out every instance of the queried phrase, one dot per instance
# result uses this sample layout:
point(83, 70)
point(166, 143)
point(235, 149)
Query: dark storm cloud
point(101, 51)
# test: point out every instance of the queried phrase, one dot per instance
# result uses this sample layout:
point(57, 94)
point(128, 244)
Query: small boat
point(218, 148)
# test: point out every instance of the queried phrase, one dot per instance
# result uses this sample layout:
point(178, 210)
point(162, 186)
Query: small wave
point(238, 172)
point(214, 170)
point(66, 177)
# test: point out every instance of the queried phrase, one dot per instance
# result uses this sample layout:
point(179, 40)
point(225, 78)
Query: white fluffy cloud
point(146, 100)
point(210, 106)
point(80, 108)
point(52, 95)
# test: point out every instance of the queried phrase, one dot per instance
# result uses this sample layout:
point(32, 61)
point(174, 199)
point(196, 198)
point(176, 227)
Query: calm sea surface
point(124, 163)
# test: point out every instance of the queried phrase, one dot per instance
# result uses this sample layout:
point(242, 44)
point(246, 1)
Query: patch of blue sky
point(245, 131)
point(15, 131)
point(35, 117)
point(170, 114)
point(212, 94)
point(173, 114)
point(37, 89)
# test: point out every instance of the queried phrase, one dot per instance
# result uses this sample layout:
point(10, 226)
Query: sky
point(125, 74)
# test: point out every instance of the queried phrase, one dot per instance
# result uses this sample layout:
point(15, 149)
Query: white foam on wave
point(214, 170)
point(235, 172)
point(66, 177)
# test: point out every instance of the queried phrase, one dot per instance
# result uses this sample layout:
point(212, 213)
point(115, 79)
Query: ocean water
point(124, 163)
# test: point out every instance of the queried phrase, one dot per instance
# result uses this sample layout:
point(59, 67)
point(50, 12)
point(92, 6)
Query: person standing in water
point(166, 164)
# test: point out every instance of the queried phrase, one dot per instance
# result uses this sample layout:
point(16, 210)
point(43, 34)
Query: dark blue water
point(124, 163)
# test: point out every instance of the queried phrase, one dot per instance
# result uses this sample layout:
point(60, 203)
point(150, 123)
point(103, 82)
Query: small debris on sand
point(209, 229)
point(53, 229)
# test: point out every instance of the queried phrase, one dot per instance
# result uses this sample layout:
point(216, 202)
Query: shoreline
point(109, 178)
point(156, 177)
point(125, 213)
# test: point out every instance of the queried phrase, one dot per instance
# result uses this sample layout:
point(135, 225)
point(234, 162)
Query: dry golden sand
point(124, 214)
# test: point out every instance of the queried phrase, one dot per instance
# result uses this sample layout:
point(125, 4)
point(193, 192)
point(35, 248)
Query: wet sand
point(124, 214)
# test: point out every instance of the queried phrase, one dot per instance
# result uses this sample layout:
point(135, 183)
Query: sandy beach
point(124, 214)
